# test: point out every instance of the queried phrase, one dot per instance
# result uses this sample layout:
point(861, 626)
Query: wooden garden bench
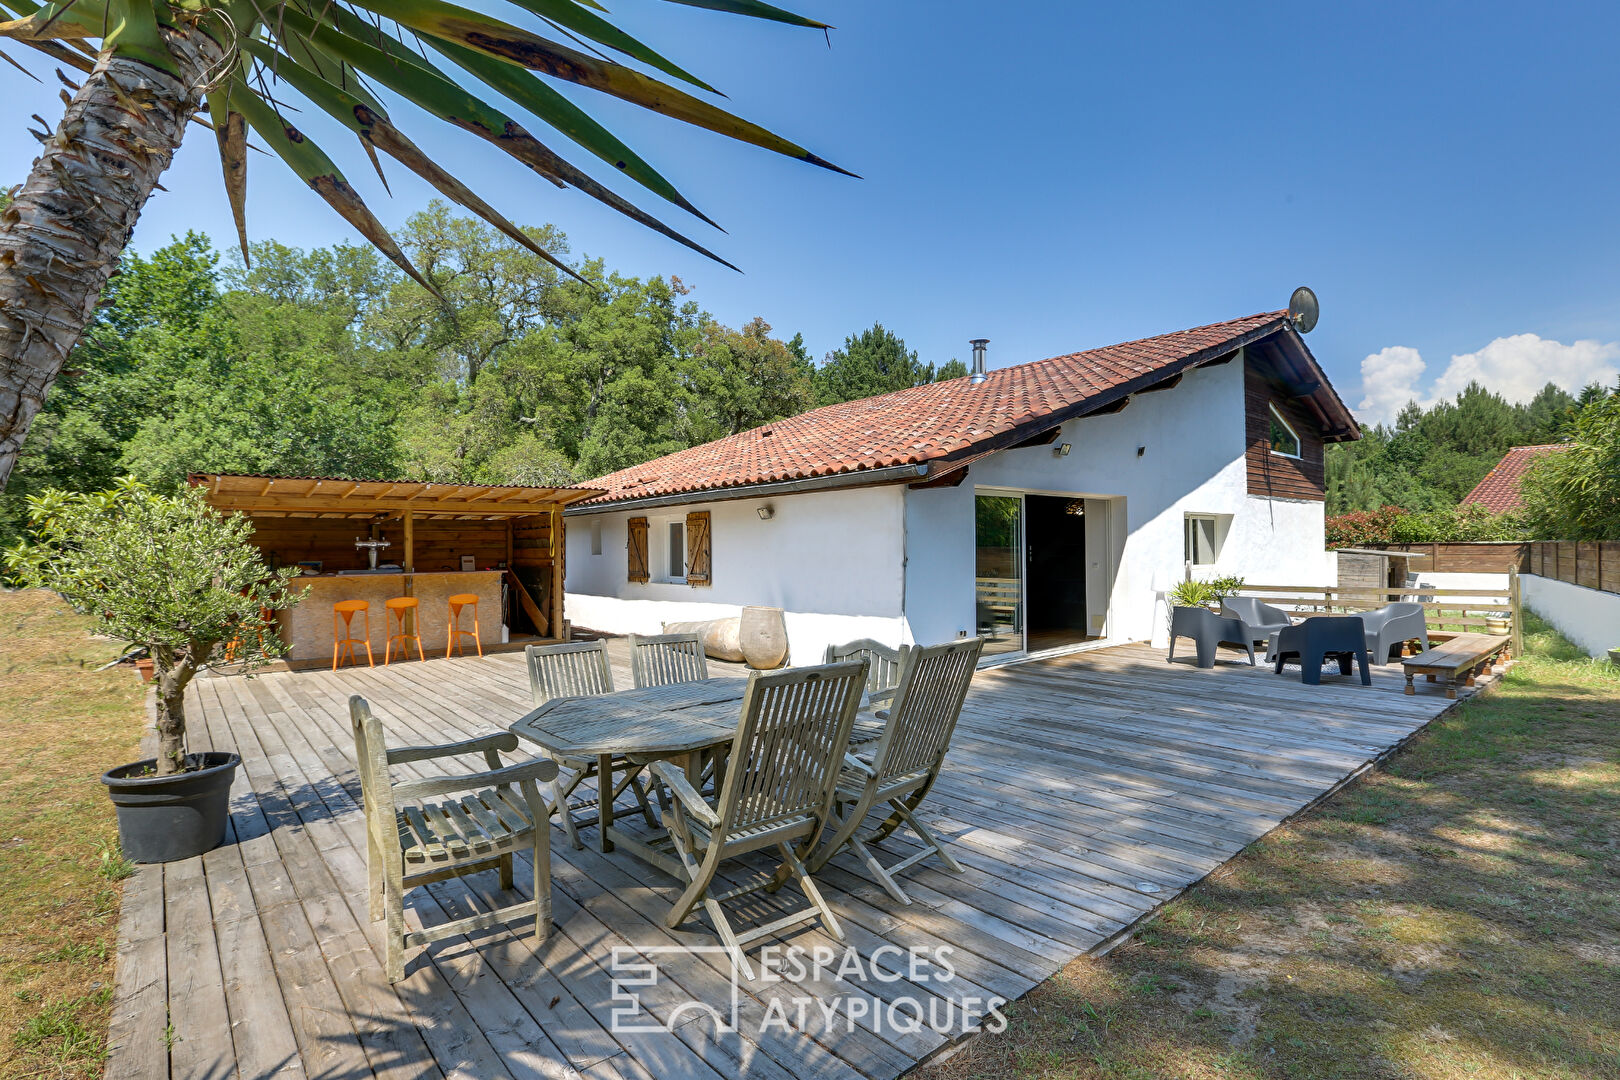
point(1465, 655)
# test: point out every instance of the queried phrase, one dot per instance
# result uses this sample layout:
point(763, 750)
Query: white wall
point(1464, 581)
point(1193, 439)
point(1588, 617)
point(832, 560)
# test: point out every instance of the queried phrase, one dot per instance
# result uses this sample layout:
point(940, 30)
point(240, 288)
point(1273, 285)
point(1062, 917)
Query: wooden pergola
point(326, 496)
point(523, 523)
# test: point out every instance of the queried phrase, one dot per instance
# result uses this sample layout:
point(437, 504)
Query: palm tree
point(151, 68)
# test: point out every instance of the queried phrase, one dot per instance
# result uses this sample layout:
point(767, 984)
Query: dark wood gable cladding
point(1275, 475)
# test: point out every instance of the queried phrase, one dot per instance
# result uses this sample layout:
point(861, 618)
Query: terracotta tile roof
point(1499, 491)
point(940, 423)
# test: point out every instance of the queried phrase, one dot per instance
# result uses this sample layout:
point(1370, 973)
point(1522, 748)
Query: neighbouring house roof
point(1499, 491)
point(934, 430)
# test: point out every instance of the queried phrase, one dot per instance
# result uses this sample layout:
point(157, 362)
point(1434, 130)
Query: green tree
point(744, 378)
point(149, 67)
point(875, 361)
point(1575, 494)
point(166, 572)
point(160, 324)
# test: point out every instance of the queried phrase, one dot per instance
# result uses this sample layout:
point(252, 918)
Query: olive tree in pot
point(175, 575)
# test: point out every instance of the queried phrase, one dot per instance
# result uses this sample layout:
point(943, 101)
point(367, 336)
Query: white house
point(1044, 506)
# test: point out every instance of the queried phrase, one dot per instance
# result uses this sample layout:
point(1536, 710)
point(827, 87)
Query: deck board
point(1071, 783)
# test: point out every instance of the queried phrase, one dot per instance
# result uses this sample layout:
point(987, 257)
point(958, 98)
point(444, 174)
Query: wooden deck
point(1081, 793)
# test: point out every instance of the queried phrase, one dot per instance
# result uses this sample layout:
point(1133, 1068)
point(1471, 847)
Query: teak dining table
point(641, 726)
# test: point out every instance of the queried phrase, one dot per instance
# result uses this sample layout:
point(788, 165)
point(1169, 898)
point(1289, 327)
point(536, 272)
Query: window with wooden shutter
point(637, 547)
point(698, 559)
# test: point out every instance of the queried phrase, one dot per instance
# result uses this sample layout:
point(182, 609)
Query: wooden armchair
point(475, 823)
point(881, 680)
point(665, 659)
point(884, 674)
point(776, 791)
point(580, 669)
point(900, 769)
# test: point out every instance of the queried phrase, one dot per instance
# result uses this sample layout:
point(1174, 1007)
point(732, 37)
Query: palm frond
point(343, 56)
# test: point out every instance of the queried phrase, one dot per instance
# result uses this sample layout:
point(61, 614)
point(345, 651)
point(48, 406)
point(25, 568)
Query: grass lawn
point(61, 726)
point(1455, 913)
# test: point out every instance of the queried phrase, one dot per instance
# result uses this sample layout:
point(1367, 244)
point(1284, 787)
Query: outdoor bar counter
point(374, 540)
point(307, 627)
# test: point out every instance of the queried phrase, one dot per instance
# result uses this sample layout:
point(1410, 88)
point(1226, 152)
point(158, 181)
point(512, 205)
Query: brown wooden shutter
point(698, 560)
point(637, 547)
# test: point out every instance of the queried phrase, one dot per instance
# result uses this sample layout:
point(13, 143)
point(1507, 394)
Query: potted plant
point(1193, 594)
point(172, 574)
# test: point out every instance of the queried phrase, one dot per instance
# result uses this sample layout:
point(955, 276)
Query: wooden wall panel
point(1272, 475)
point(1592, 565)
point(286, 541)
point(1482, 558)
point(439, 543)
point(1586, 565)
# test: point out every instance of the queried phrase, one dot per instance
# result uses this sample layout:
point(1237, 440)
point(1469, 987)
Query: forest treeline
point(1429, 459)
point(1404, 483)
point(329, 362)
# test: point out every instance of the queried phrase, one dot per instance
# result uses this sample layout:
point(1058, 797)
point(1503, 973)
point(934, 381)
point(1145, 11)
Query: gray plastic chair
point(1340, 637)
point(1259, 619)
point(1207, 630)
point(1392, 625)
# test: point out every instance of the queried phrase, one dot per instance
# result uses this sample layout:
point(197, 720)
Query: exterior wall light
point(766, 512)
point(1061, 450)
point(1140, 450)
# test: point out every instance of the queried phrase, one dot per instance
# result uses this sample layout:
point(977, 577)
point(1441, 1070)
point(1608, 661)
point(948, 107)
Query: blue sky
point(1056, 176)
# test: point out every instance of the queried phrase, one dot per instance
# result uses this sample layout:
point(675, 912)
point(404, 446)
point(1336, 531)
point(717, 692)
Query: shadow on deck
point(1081, 793)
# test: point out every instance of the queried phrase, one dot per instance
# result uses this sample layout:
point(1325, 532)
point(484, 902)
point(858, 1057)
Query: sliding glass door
point(999, 572)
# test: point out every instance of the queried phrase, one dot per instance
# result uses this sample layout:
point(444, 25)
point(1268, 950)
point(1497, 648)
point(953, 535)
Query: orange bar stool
point(401, 608)
point(343, 639)
point(457, 602)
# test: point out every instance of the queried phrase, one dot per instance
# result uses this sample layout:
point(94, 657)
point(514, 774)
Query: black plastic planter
point(165, 818)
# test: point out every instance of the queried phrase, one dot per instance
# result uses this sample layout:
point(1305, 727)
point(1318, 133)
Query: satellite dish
point(1303, 309)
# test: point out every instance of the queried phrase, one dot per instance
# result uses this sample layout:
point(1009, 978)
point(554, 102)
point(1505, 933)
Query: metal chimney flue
point(979, 374)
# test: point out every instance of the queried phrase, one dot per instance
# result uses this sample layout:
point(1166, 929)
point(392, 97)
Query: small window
point(677, 551)
point(596, 536)
point(1202, 549)
point(1283, 439)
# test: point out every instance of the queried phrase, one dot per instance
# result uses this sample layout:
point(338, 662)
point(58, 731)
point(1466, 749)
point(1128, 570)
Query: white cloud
point(1389, 380)
point(1516, 367)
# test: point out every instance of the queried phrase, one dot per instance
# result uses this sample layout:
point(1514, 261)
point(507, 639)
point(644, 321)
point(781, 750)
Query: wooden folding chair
point(777, 792)
point(881, 681)
point(900, 769)
point(664, 659)
point(884, 674)
point(411, 841)
point(580, 669)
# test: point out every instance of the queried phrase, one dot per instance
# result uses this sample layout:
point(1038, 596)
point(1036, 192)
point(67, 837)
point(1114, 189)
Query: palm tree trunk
point(61, 237)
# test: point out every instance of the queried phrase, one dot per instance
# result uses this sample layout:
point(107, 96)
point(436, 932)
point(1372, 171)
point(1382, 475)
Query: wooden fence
point(1447, 611)
point(1594, 565)
point(1489, 557)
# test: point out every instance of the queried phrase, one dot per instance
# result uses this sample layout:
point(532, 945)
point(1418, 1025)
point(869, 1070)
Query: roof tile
point(921, 424)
